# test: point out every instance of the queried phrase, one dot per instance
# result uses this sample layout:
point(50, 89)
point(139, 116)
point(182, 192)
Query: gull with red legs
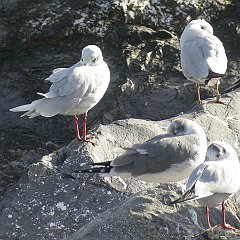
point(215, 180)
point(74, 90)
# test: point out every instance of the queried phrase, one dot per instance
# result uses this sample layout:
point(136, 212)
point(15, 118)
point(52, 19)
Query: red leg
point(75, 120)
point(208, 217)
point(84, 138)
point(224, 225)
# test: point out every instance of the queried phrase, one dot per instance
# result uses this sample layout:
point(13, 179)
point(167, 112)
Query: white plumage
point(202, 54)
point(74, 90)
point(215, 180)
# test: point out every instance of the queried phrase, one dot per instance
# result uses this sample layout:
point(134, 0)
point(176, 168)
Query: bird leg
point(199, 95)
point(224, 225)
point(208, 217)
point(84, 138)
point(84, 120)
point(75, 120)
point(218, 95)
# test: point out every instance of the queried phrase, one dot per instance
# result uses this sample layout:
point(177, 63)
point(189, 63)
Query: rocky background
point(140, 43)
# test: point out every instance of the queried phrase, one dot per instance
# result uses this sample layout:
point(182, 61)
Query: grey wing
point(189, 194)
point(76, 84)
point(161, 154)
point(194, 176)
point(124, 159)
point(64, 94)
point(124, 163)
point(215, 55)
point(217, 178)
point(144, 147)
point(193, 61)
point(61, 73)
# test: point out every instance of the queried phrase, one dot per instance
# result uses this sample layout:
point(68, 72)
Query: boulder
point(57, 206)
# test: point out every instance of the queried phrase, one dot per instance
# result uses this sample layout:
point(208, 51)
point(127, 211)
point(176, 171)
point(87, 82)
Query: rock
point(92, 207)
point(139, 40)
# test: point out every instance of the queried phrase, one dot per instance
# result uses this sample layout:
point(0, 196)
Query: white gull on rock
point(74, 90)
point(215, 180)
point(203, 57)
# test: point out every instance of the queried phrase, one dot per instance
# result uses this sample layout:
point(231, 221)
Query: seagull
point(168, 157)
point(203, 57)
point(74, 90)
point(215, 180)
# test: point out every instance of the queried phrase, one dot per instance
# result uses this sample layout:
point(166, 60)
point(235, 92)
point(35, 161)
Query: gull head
point(183, 126)
point(91, 55)
point(196, 28)
point(219, 150)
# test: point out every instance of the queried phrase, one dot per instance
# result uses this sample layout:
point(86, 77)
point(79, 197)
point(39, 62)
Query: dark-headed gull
point(215, 180)
point(74, 90)
point(168, 157)
point(203, 57)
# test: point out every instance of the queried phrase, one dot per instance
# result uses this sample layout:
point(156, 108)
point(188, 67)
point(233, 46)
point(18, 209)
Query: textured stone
point(112, 208)
point(139, 40)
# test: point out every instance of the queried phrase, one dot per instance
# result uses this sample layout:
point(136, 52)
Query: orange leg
point(199, 95)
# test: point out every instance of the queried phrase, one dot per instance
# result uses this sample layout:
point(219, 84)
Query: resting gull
point(215, 180)
point(203, 58)
point(74, 90)
point(168, 157)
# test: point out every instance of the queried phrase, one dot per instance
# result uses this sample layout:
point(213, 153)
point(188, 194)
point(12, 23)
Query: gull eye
point(218, 155)
point(202, 27)
point(94, 60)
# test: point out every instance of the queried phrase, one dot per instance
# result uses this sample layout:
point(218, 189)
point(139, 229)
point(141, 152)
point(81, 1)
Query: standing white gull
point(74, 90)
point(202, 55)
point(215, 180)
point(168, 157)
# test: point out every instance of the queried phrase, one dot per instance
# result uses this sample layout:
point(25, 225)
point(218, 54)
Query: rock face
point(93, 207)
point(139, 40)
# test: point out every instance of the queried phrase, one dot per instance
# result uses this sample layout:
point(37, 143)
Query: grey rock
point(140, 43)
point(93, 207)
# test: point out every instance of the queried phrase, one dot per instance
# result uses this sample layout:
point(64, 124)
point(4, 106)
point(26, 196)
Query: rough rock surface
point(56, 206)
point(139, 40)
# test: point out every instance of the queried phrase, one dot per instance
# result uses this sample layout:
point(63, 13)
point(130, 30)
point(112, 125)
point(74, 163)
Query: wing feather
point(193, 62)
point(164, 153)
point(215, 55)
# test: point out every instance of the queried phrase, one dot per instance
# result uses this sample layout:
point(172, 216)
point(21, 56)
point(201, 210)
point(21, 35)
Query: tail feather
point(31, 114)
point(187, 196)
point(104, 167)
point(22, 108)
point(46, 107)
point(181, 199)
point(107, 163)
point(28, 108)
